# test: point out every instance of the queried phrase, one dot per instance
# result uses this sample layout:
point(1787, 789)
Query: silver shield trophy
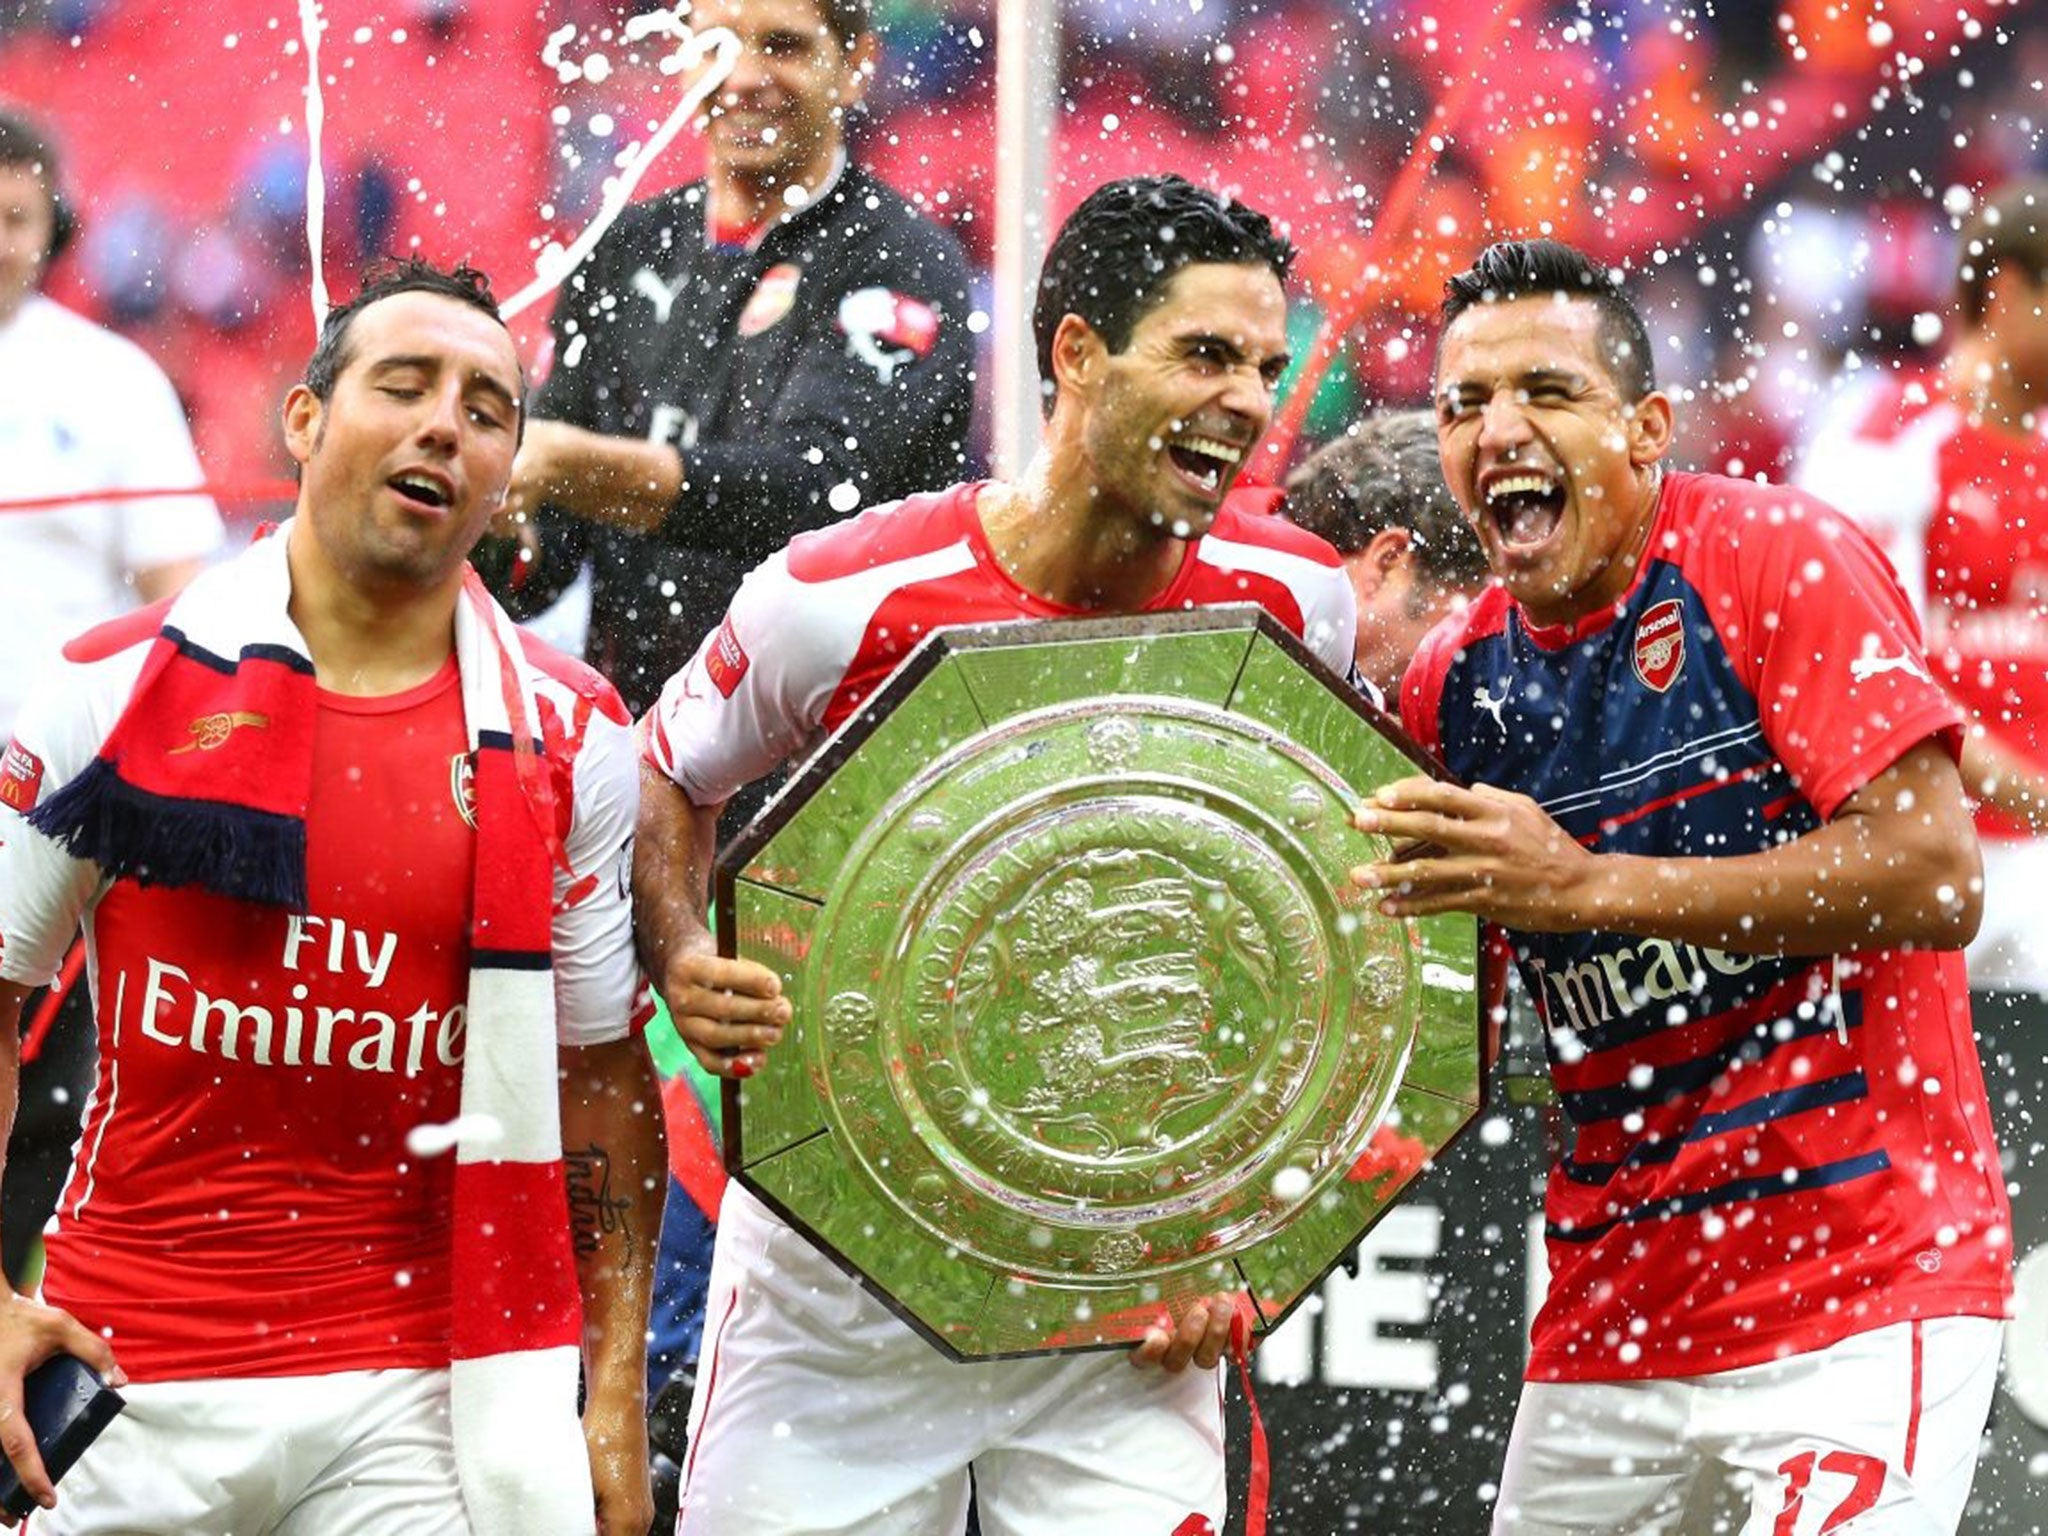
point(1088, 1019)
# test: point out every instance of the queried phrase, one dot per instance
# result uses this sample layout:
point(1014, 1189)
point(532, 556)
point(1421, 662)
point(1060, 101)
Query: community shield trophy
point(1087, 1018)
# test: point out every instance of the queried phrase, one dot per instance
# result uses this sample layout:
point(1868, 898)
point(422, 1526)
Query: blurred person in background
point(744, 358)
point(1948, 469)
point(741, 359)
point(1377, 496)
point(81, 410)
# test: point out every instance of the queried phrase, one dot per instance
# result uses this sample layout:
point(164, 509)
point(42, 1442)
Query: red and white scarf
point(232, 820)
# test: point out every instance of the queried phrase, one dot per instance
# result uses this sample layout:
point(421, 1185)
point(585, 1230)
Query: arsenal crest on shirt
point(462, 785)
point(771, 298)
point(1660, 645)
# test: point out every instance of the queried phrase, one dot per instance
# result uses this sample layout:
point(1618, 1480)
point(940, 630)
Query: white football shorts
point(356, 1453)
point(1873, 1436)
point(817, 1410)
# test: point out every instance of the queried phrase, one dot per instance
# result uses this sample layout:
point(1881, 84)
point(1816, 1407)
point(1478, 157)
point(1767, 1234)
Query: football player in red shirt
point(1715, 808)
point(351, 857)
point(1161, 330)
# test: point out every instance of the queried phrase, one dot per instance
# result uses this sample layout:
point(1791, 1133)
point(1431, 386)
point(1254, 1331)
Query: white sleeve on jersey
point(44, 891)
point(1329, 620)
point(754, 694)
point(596, 974)
point(155, 453)
point(1329, 608)
point(1889, 487)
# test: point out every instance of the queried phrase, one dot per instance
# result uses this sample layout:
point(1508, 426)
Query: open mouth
point(1207, 461)
point(423, 488)
point(1525, 508)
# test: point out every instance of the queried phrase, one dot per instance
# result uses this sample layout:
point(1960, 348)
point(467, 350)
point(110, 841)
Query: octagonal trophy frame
point(1087, 1021)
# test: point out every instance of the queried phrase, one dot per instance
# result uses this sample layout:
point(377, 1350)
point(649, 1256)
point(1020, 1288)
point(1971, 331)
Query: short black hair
point(1384, 473)
point(1519, 269)
point(383, 280)
point(2008, 232)
point(1112, 259)
point(23, 144)
point(847, 20)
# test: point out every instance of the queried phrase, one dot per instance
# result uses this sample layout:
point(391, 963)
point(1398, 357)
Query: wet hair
point(2009, 232)
point(1519, 269)
point(24, 146)
point(1111, 261)
point(1384, 473)
point(387, 279)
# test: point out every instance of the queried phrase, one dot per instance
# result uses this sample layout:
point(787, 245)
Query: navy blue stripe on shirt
point(191, 650)
point(1760, 1188)
point(1670, 760)
point(501, 741)
point(1761, 1110)
point(1677, 1079)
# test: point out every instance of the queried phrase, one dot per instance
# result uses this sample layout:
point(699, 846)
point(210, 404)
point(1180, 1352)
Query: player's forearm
point(627, 482)
point(674, 843)
point(616, 1154)
point(1898, 865)
point(2003, 780)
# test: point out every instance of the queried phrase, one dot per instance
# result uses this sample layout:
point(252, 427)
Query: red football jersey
point(1962, 510)
point(244, 1201)
point(1769, 1152)
point(819, 627)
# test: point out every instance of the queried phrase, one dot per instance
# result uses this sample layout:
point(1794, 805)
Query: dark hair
point(1518, 269)
point(383, 280)
point(22, 144)
point(1384, 473)
point(847, 20)
point(2009, 231)
point(1112, 259)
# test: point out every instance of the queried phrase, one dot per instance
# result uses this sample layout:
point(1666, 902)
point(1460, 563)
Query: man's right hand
point(31, 1333)
point(727, 1011)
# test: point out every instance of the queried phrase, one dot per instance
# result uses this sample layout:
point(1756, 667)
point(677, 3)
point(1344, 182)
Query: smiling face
point(1553, 469)
point(1171, 418)
point(779, 118)
point(409, 455)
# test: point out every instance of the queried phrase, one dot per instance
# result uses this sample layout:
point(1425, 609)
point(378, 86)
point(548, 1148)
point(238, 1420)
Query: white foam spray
point(310, 27)
point(710, 56)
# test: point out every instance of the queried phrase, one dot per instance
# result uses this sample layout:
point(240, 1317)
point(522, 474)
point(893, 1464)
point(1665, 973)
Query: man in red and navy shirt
point(1161, 383)
point(1716, 810)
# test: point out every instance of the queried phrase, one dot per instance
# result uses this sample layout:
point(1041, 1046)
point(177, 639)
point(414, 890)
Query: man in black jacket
point(747, 357)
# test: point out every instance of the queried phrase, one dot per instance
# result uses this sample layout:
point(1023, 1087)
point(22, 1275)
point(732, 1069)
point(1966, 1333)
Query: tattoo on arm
point(595, 1213)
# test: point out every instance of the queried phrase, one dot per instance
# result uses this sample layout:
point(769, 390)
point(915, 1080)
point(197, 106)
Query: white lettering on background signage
point(1346, 1346)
